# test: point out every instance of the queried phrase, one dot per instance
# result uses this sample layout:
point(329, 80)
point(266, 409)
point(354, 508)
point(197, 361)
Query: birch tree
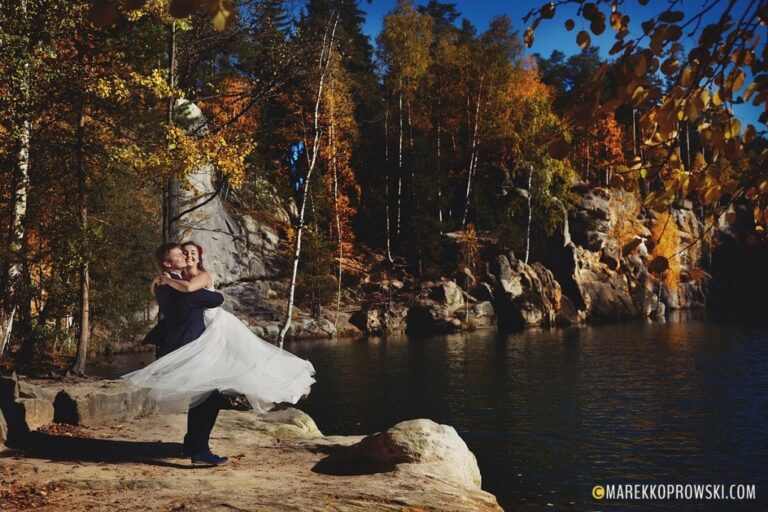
point(404, 45)
point(313, 151)
point(20, 183)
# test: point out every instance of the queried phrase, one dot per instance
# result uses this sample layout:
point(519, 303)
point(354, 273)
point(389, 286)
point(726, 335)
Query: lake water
point(552, 413)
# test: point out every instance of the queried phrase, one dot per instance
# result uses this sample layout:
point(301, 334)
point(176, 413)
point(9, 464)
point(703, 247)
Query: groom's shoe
point(208, 459)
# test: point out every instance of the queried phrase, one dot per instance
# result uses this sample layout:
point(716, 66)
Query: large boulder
point(448, 293)
point(525, 295)
point(368, 320)
point(291, 422)
point(438, 448)
point(427, 316)
point(484, 315)
point(591, 219)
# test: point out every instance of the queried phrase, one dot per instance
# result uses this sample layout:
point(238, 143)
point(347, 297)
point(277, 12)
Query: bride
point(227, 357)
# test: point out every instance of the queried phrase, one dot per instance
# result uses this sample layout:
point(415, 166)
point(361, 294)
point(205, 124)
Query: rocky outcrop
point(437, 448)
point(94, 403)
point(138, 460)
point(27, 406)
point(524, 295)
point(381, 319)
point(604, 272)
point(24, 407)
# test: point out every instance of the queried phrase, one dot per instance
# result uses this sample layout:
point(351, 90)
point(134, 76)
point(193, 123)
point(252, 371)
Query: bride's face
point(190, 251)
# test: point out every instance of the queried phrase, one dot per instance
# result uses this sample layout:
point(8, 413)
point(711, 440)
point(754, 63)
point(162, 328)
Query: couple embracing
point(205, 352)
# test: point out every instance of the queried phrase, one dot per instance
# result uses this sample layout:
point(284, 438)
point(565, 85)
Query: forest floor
point(136, 465)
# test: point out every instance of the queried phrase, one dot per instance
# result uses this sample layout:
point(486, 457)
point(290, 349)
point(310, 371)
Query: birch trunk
point(386, 183)
point(530, 216)
point(83, 338)
point(473, 158)
point(399, 164)
point(15, 241)
point(323, 64)
point(439, 187)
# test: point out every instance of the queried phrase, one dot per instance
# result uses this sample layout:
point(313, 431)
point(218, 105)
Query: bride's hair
point(199, 253)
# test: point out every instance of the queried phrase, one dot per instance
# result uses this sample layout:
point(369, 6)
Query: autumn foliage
point(666, 243)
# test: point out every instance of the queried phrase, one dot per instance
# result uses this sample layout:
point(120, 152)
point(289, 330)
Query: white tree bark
point(473, 157)
point(386, 184)
point(85, 286)
point(439, 186)
point(323, 64)
point(530, 216)
point(15, 240)
point(399, 165)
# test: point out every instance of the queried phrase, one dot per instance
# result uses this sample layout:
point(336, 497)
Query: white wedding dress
point(230, 358)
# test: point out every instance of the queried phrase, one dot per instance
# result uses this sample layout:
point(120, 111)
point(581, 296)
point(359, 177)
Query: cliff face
point(614, 240)
point(595, 270)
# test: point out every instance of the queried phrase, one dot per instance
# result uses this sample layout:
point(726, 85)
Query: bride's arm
point(198, 282)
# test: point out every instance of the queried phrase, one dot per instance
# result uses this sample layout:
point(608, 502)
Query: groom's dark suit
point(183, 319)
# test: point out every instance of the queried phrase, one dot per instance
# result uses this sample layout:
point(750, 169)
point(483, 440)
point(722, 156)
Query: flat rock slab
point(135, 464)
point(82, 402)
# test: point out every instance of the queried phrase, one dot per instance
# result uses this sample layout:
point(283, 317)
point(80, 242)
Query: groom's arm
point(205, 299)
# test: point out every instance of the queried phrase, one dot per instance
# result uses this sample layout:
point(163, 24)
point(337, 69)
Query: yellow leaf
point(528, 37)
point(736, 78)
point(733, 129)
point(704, 98)
point(615, 20)
point(222, 19)
point(687, 77)
point(638, 94)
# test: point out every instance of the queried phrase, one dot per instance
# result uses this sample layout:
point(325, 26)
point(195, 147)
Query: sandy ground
point(136, 465)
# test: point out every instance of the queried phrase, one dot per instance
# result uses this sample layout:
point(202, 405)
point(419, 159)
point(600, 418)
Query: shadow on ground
point(39, 445)
point(347, 461)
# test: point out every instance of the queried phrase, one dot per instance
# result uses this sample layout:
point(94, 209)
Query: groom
point(183, 318)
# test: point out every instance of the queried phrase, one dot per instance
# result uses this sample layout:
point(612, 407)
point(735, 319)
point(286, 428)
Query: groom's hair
point(163, 252)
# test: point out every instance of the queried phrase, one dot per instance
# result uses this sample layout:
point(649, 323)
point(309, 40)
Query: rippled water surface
point(551, 413)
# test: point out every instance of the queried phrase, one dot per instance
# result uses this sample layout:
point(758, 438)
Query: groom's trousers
point(200, 421)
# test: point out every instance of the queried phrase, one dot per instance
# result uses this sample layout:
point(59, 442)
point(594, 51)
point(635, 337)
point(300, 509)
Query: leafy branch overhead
point(104, 13)
point(679, 71)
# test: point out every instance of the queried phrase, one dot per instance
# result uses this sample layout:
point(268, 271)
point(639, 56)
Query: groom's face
point(176, 259)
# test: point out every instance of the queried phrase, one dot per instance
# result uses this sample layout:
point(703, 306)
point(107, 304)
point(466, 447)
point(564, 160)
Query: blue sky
point(551, 35)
